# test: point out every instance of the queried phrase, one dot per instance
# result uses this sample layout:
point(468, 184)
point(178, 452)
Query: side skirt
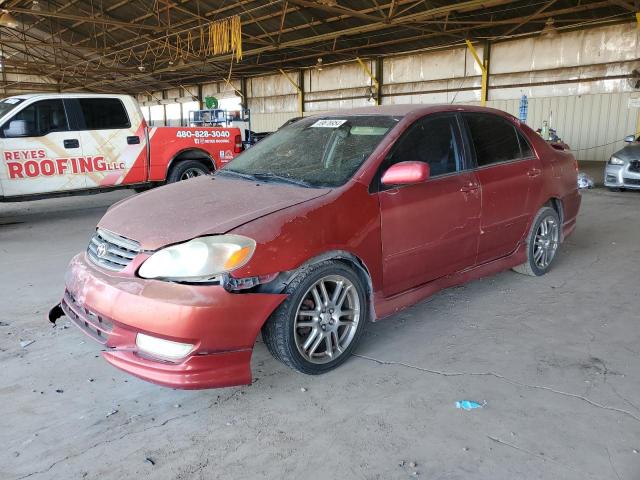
point(385, 307)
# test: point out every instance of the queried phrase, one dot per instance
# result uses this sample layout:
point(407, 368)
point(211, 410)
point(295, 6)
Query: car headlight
point(200, 259)
point(616, 161)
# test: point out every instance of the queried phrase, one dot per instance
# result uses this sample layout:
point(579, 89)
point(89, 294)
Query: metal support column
point(298, 89)
point(164, 108)
point(243, 91)
point(379, 76)
point(375, 85)
point(484, 68)
point(301, 92)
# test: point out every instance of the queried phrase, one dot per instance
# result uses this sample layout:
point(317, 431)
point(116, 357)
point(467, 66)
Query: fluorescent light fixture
point(7, 20)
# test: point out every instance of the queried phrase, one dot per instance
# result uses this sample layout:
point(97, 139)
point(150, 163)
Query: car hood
point(630, 152)
point(203, 206)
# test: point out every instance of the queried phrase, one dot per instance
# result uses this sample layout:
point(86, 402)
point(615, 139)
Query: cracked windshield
point(313, 152)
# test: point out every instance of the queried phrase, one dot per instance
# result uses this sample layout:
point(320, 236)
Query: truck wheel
point(317, 327)
point(185, 170)
point(542, 243)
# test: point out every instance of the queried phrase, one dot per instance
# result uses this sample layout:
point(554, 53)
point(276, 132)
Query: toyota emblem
point(102, 250)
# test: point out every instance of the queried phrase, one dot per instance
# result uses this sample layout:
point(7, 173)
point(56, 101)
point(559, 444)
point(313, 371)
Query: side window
point(37, 120)
point(493, 138)
point(525, 147)
point(433, 140)
point(103, 113)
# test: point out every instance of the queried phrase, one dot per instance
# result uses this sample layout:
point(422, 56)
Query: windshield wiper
point(234, 173)
point(266, 176)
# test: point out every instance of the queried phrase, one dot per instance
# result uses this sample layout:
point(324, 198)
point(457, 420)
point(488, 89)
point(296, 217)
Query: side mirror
point(16, 128)
point(630, 138)
point(406, 173)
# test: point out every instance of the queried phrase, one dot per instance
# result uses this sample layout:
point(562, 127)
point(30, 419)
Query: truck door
point(39, 151)
point(114, 144)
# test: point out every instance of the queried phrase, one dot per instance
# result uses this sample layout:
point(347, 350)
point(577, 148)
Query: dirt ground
point(556, 359)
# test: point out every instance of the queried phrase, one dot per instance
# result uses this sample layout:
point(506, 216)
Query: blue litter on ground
point(469, 405)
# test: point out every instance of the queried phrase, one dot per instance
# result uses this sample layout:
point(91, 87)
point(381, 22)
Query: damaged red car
point(328, 223)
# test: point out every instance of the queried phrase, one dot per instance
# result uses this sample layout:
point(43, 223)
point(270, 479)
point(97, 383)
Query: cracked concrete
point(555, 358)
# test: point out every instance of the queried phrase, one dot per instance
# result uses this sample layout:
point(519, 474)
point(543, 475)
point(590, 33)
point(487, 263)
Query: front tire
point(542, 243)
point(186, 169)
point(322, 320)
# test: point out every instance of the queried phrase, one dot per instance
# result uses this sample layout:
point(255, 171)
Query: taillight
point(238, 146)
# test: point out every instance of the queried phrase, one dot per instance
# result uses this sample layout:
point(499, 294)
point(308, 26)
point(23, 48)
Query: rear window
point(104, 113)
point(494, 139)
point(525, 147)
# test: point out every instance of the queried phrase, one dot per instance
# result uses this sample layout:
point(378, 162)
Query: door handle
point(133, 140)
point(71, 143)
point(534, 172)
point(470, 187)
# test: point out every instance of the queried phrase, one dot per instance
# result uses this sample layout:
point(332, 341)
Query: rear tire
point(317, 327)
point(542, 243)
point(186, 169)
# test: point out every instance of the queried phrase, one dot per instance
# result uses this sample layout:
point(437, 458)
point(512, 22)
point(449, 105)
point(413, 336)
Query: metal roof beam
point(89, 19)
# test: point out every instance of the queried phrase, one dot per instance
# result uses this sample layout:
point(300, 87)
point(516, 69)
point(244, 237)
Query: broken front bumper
point(113, 308)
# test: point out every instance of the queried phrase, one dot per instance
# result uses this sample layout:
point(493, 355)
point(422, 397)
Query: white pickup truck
point(62, 144)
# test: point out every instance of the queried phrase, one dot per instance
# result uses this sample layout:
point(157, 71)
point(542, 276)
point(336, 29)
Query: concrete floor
point(555, 358)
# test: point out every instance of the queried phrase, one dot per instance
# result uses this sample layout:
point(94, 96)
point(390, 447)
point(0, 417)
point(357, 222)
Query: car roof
point(415, 110)
point(27, 96)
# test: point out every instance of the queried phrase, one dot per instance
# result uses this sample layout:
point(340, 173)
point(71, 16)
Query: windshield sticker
point(11, 101)
point(328, 123)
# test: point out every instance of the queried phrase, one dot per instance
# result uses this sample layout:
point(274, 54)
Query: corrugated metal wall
point(592, 125)
point(269, 122)
point(575, 80)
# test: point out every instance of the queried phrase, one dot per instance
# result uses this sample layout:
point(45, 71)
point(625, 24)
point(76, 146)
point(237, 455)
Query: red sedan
point(327, 223)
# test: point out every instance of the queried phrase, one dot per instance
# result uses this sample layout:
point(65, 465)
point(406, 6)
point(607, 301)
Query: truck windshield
point(315, 152)
point(8, 104)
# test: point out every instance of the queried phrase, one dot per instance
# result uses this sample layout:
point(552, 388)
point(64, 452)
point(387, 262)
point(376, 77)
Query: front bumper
point(621, 176)
point(223, 326)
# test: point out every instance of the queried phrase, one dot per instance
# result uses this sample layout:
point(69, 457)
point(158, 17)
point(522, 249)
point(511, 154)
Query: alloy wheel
point(327, 319)
point(190, 173)
point(546, 242)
